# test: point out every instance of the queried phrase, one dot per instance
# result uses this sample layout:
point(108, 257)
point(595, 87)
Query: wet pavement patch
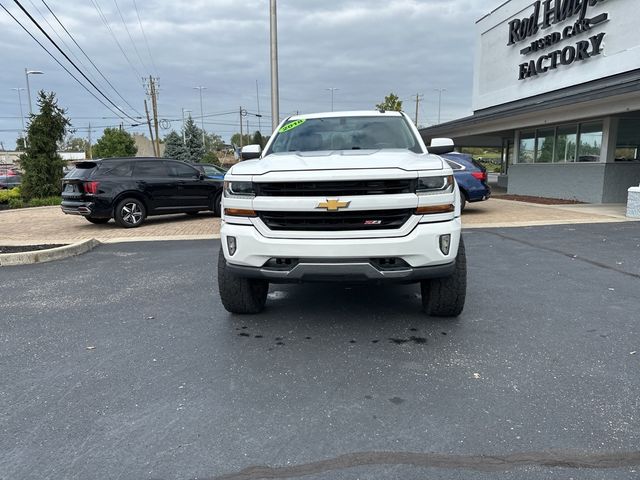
point(397, 400)
point(414, 339)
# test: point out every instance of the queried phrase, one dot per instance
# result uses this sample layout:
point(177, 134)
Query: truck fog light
point(445, 244)
point(232, 245)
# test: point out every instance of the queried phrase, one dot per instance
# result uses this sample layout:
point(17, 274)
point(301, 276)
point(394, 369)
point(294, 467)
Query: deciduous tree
point(115, 143)
point(391, 103)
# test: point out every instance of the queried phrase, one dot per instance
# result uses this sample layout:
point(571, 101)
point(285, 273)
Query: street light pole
point(184, 140)
point(275, 95)
point(28, 72)
point(440, 90)
point(332, 90)
point(201, 111)
point(20, 102)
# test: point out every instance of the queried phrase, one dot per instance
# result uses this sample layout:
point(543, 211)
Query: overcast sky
point(365, 48)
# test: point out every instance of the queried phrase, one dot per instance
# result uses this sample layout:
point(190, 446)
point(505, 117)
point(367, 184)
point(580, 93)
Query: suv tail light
point(482, 176)
point(91, 187)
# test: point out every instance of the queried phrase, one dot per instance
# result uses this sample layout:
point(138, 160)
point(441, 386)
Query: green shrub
point(44, 202)
point(7, 195)
point(16, 203)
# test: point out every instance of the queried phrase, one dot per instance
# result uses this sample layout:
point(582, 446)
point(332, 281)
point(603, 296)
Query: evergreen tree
point(115, 143)
point(20, 146)
point(193, 141)
point(41, 163)
point(391, 103)
point(174, 147)
point(258, 139)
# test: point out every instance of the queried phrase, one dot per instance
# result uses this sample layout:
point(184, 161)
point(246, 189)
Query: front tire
point(238, 294)
point(97, 221)
point(463, 200)
point(445, 297)
point(130, 213)
point(217, 205)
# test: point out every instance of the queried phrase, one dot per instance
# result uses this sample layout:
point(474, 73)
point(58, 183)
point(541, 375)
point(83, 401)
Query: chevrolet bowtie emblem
point(333, 205)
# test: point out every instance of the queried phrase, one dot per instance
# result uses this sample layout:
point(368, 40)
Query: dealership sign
point(547, 13)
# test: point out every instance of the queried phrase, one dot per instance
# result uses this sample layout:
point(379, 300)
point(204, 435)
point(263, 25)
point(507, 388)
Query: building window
point(590, 142)
point(544, 145)
point(628, 142)
point(527, 149)
point(566, 143)
point(562, 144)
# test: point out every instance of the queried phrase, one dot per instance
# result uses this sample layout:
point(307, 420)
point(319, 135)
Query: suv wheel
point(239, 294)
point(216, 207)
point(444, 297)
point(97, 221)
point(130, 213)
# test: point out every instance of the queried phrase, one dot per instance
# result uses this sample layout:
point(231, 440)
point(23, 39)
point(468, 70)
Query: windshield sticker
point(291, 126)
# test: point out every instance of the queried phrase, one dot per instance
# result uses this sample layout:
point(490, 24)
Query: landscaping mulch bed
point(540, 200)
point(28, 248)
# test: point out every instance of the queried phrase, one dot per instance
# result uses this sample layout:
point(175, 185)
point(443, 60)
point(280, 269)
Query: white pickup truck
point(342, 197)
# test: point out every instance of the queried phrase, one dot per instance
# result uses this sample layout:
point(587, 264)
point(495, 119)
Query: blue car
point(210, 171)
point(471, 177)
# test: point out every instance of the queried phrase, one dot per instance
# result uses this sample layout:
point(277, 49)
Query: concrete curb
point(42, 256)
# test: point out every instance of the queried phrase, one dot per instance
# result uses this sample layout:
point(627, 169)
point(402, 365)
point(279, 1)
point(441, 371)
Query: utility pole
point(154, 105)
point(275, 93)
point(201, 111)
point(90, 152)
point(418, 97)
point(439, 90)
point(258, 102)
point(153, 144)
point(241, 140)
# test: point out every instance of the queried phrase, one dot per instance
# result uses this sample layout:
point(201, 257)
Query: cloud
point(366, 49)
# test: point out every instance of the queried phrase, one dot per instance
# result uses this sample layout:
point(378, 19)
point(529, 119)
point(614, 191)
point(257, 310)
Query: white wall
point(497, 64)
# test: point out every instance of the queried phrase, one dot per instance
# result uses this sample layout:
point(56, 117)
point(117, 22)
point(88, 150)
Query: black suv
point(130, 189)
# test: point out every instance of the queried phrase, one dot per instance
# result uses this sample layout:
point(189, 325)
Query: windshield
point(345, 133)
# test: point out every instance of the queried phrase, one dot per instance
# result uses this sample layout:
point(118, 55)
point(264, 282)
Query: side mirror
point(201, 176)
point(250, 151)
point(441, 145)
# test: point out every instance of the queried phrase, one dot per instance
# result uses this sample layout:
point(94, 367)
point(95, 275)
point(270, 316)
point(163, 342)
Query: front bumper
point(355, 270)
point(343, 258)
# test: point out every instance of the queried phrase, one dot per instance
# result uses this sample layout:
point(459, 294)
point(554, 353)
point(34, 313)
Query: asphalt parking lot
point(122, 363)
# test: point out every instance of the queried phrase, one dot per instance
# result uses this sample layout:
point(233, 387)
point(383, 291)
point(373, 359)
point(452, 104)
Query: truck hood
point(338, 160)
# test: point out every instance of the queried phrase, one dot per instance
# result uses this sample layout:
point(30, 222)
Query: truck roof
point(356, 113)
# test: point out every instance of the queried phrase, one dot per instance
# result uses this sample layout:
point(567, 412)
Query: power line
point(91, 61)
point(60, 38)
point(144, 35)
point(133, 43)
point(60, 63)
point(106, 22)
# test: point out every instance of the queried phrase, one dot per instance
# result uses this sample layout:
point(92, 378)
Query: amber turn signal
point(432, 209)
point(239, 212)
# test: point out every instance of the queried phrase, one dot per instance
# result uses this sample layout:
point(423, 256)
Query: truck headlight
point(235, 189)
point(435, 185)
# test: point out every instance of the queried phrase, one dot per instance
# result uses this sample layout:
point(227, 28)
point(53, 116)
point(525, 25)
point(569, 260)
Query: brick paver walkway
point(50, 225)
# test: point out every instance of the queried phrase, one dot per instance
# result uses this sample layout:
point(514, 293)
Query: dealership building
point(557, 88)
